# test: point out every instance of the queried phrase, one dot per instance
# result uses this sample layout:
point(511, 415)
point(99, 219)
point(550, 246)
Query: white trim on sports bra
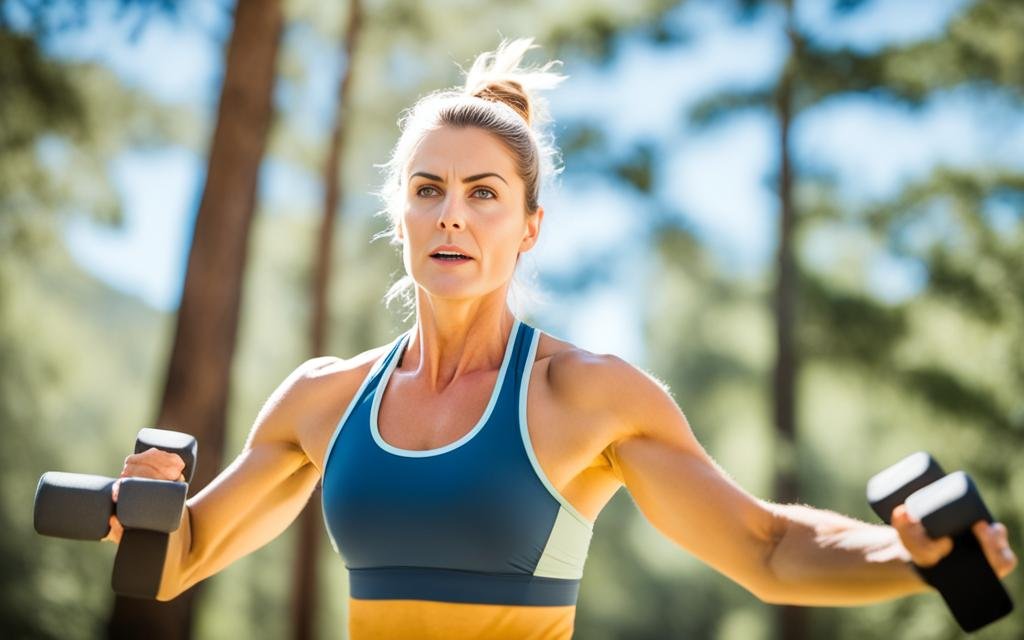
point(422, 453)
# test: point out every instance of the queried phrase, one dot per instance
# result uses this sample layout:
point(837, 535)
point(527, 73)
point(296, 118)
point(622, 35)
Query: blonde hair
point(499, 97)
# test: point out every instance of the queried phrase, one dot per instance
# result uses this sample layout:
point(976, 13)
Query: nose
point(452, 214)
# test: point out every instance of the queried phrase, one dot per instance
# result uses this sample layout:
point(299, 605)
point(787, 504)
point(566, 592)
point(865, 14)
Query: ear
point(532, 233)
point(398, 231)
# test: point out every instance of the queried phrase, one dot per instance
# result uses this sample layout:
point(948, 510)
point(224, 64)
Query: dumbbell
point(946, 505)
point(79, 506)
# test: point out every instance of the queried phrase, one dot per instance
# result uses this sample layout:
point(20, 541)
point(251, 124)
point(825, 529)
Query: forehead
point(464, 151)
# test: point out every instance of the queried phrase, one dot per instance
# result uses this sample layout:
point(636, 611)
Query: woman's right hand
point(151, 463)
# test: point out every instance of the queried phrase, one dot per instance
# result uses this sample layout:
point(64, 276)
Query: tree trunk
point(198, 376)
point(792, 620)
point(311, 527)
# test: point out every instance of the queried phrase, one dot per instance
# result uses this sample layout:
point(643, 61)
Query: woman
point(464, 463)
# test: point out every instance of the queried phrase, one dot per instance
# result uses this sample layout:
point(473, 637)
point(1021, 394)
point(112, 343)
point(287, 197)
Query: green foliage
point(80, 365)
point(847, 326)
point(982, 46)
point(940, 371)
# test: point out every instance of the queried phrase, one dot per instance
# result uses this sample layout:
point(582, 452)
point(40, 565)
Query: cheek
point(502, 251)
point(411, 226)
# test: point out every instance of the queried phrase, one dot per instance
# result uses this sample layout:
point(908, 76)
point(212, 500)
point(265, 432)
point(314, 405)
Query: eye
point(420, 190)
point(488, 191)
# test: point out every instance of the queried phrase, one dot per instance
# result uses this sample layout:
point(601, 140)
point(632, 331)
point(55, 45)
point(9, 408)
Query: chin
point(453, 288)
point(449, 290)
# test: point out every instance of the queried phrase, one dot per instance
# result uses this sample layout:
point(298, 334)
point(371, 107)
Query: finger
point(171, 460)
point(116, 491)
point(156, 456)
point(924, 551)
point(927, 552)
point(995, 545)
point(171, 463)
point(115, 532)
point(150, 469)
point(899, 514)
point(142, 469)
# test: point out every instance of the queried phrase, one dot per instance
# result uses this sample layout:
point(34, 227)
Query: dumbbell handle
point(139, 563)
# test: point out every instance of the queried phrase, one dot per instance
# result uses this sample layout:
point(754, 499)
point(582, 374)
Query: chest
point(567, 444)
point(411, 417)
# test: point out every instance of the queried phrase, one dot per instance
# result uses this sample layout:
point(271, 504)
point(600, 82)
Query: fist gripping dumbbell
point(79, 506)
point(946, 505)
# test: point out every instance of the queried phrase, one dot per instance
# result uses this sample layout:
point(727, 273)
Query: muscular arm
point(249, 504)
point(251, 501)
point(828, 559)
point(782, 554)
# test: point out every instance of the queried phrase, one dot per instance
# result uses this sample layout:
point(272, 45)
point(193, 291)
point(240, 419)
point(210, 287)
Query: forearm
point(827, 559)
point(211, 536)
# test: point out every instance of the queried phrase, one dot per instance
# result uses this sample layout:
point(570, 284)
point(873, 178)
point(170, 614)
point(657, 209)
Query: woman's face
point(462, 190)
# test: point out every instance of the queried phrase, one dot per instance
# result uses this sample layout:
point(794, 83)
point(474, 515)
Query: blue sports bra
point(474, 521)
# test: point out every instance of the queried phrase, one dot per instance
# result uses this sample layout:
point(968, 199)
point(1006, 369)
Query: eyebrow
point(479, 176)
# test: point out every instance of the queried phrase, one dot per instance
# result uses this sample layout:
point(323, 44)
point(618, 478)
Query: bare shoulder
point(599, 381)
point(315, 374)
point(301, 409)
point(327, 375)
point(605, 389)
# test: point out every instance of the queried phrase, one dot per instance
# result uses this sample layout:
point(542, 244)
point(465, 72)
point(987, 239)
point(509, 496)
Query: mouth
point(449, 257)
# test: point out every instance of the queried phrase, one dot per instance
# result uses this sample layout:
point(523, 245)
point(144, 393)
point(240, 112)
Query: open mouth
point(447, 256)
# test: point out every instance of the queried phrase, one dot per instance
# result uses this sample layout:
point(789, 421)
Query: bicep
point(683, 492)
point(247, 505)
point(256, 497)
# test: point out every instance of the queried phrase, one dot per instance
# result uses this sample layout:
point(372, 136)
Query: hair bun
point(511, 93)
point(499, 77)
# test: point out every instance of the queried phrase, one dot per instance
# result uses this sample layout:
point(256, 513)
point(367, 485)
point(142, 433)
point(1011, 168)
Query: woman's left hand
point(926, 552)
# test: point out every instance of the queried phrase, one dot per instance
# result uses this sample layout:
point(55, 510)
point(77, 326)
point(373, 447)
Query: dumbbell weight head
point(177, 442)
point(73, 505)
point(152, 511)
point(945, 505)
point(948, 506)
point(891, 486)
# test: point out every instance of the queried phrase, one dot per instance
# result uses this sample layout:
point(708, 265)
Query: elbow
point(179, 560)
point(768, 596)
point(762, 583)
point(174, 583)
point(767, 590)
point(769, 586)
point(771, 590)
point(166, 594)
point(171, 585)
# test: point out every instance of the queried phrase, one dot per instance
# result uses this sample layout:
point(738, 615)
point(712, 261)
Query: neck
point(453, 338)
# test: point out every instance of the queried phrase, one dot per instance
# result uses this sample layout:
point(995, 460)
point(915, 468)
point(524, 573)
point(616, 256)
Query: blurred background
point(807, 218)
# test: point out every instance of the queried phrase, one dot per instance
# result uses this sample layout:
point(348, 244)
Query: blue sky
point(716, 176)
